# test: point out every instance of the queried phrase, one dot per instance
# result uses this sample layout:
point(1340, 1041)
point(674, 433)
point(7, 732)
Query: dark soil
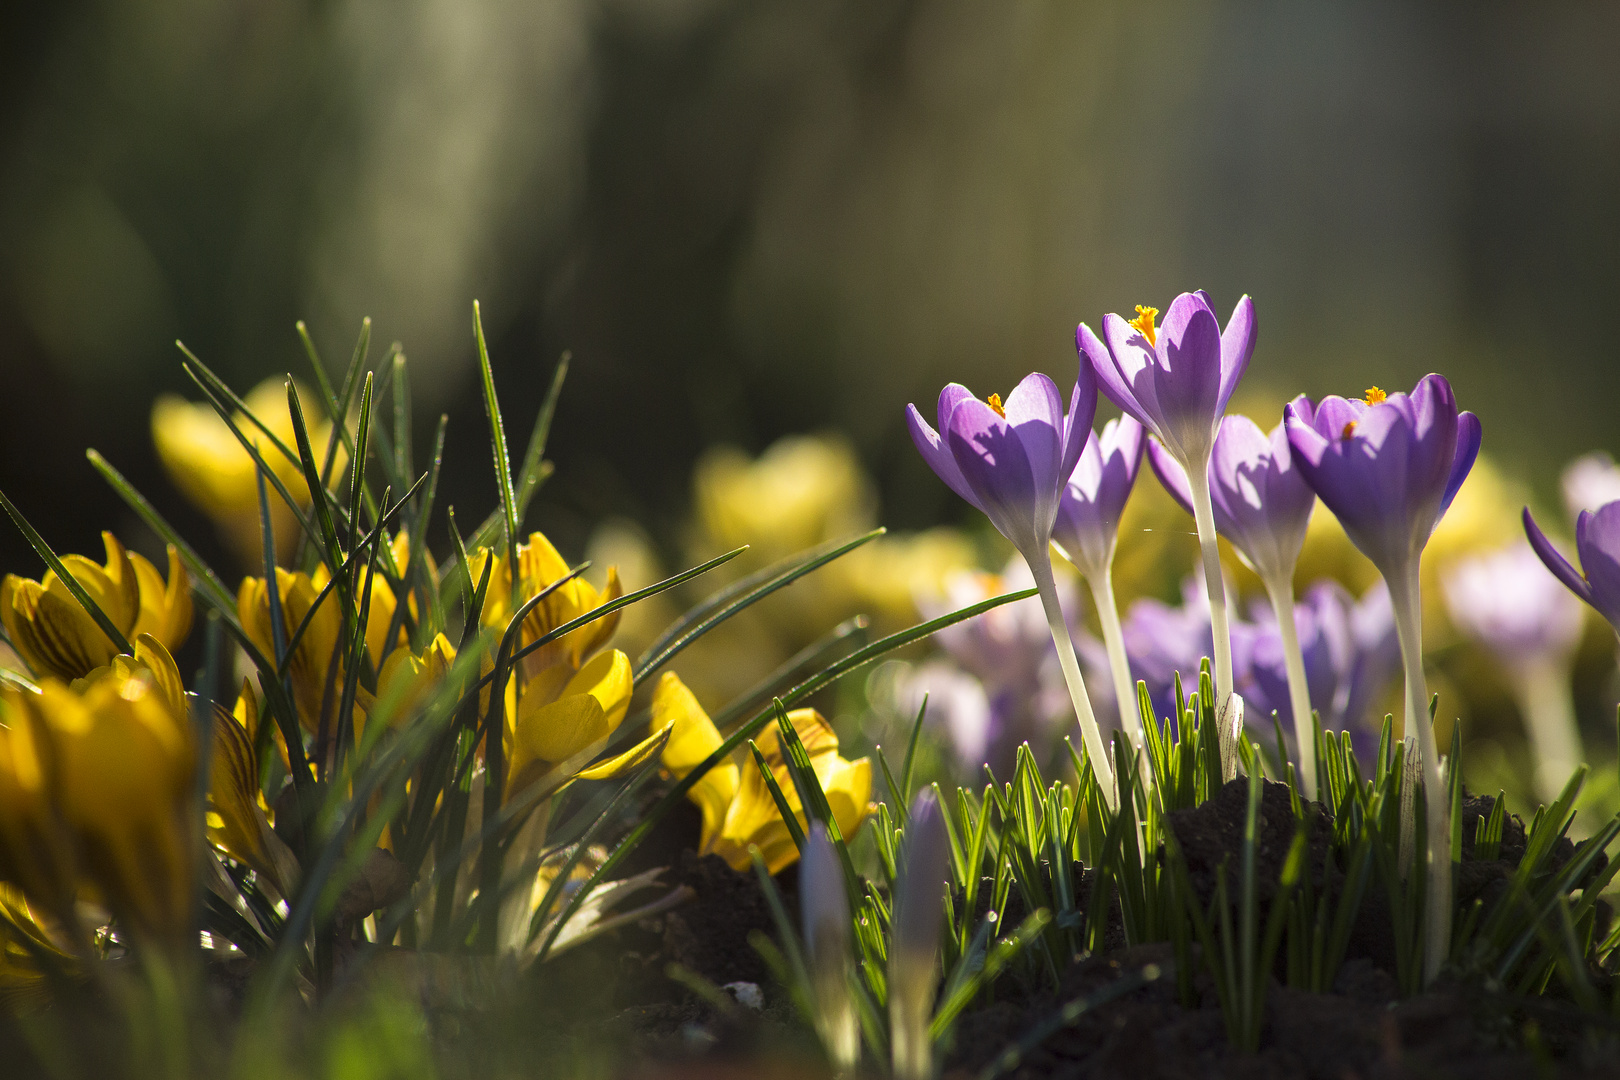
point(1361, 1030)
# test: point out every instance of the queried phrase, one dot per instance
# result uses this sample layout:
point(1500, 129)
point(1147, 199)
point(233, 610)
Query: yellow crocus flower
point(753, 818)
point(35, 852)
point(738, 810)
point(802, 490)
point(22, 940)
point(123, 757)
point(58, 637)
point(237, 819)
point(539, 566)
point(414, 677)
point(316, 651)
point(563, 714)
point(693, 739)
point(210, 467)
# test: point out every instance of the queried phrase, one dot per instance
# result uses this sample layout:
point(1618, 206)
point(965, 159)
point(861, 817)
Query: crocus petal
point(1133, 361)
point(1035, 413)
point(1554, 560)
point(1597, 542)
point(1109, 379)
point(1469, 434)
point(1077, 425)
point(1237, 345)
point(1189, 377)
point(997, 470)
point(938, 456)
point(1170, 473)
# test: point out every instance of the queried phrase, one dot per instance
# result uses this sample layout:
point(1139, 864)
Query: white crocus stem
point(1406, 598)
point(1542, 687)
point(1119, 663)
point(1280, 588)
point(1040, 567)
point(1204, 516)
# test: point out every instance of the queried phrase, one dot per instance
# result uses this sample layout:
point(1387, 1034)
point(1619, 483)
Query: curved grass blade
point(531, 475)
point(497, 445)
point(93, 609)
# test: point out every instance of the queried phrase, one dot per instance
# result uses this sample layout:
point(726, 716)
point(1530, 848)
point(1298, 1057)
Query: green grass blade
point(37, 542)
point(497, 445)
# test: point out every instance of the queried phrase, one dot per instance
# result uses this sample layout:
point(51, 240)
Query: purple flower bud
point(1261, 503)
point(919, 909)
point(827, 941)
point(1094, 498)
point(1011, 461)
point(1388, 467)
point(1597, 545)
point(1174, 379)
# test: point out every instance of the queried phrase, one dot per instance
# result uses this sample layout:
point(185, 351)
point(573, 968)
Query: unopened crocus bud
point(827, 940)
point(914, 937)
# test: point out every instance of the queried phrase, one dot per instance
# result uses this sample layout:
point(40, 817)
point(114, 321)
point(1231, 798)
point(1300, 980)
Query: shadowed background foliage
point(753, 217)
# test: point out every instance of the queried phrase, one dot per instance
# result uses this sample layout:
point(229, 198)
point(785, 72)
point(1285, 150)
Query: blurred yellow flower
point(210, 467)
point(22, 941)
point(57, 637)
point(110, 759)
point(801, 491)
point(738, 810)
point(35, 852)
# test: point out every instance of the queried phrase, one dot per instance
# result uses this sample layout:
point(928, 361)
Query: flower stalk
point(1089, 731)
point(1281, 594)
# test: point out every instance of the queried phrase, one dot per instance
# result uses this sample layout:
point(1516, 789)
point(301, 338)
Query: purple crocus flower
point(1261, 503)
point(1263, 506)
point(1597, 546)
point(1388, 467)
point(1176, 380)
point(1087, 531)
point(1531, 625)
point(1165, 641)
point(1012, 461)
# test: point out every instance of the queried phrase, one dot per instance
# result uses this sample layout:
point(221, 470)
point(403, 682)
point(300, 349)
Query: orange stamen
point(995, 403)
point(1348, 430)
point(1144, 323)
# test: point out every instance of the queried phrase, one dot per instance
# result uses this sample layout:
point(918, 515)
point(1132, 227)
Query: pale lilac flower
point(1590, 481)
point(919, 911)
point(1531, 625)
point(1597, 545)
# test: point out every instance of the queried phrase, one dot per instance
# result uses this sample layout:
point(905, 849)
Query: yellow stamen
point(1144, 323)
point(1375, 395)
point(1348, 430)
point(995, 403)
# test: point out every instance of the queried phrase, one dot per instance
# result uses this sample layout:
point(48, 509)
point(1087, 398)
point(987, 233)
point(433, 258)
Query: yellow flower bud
point(414, 677)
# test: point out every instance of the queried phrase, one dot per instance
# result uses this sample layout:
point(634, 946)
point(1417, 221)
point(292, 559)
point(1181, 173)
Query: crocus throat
point(994, 401)
point(1374, 395)
point(1144, 323)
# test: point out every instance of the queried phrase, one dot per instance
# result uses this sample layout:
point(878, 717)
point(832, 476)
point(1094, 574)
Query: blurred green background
point(753, 217)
